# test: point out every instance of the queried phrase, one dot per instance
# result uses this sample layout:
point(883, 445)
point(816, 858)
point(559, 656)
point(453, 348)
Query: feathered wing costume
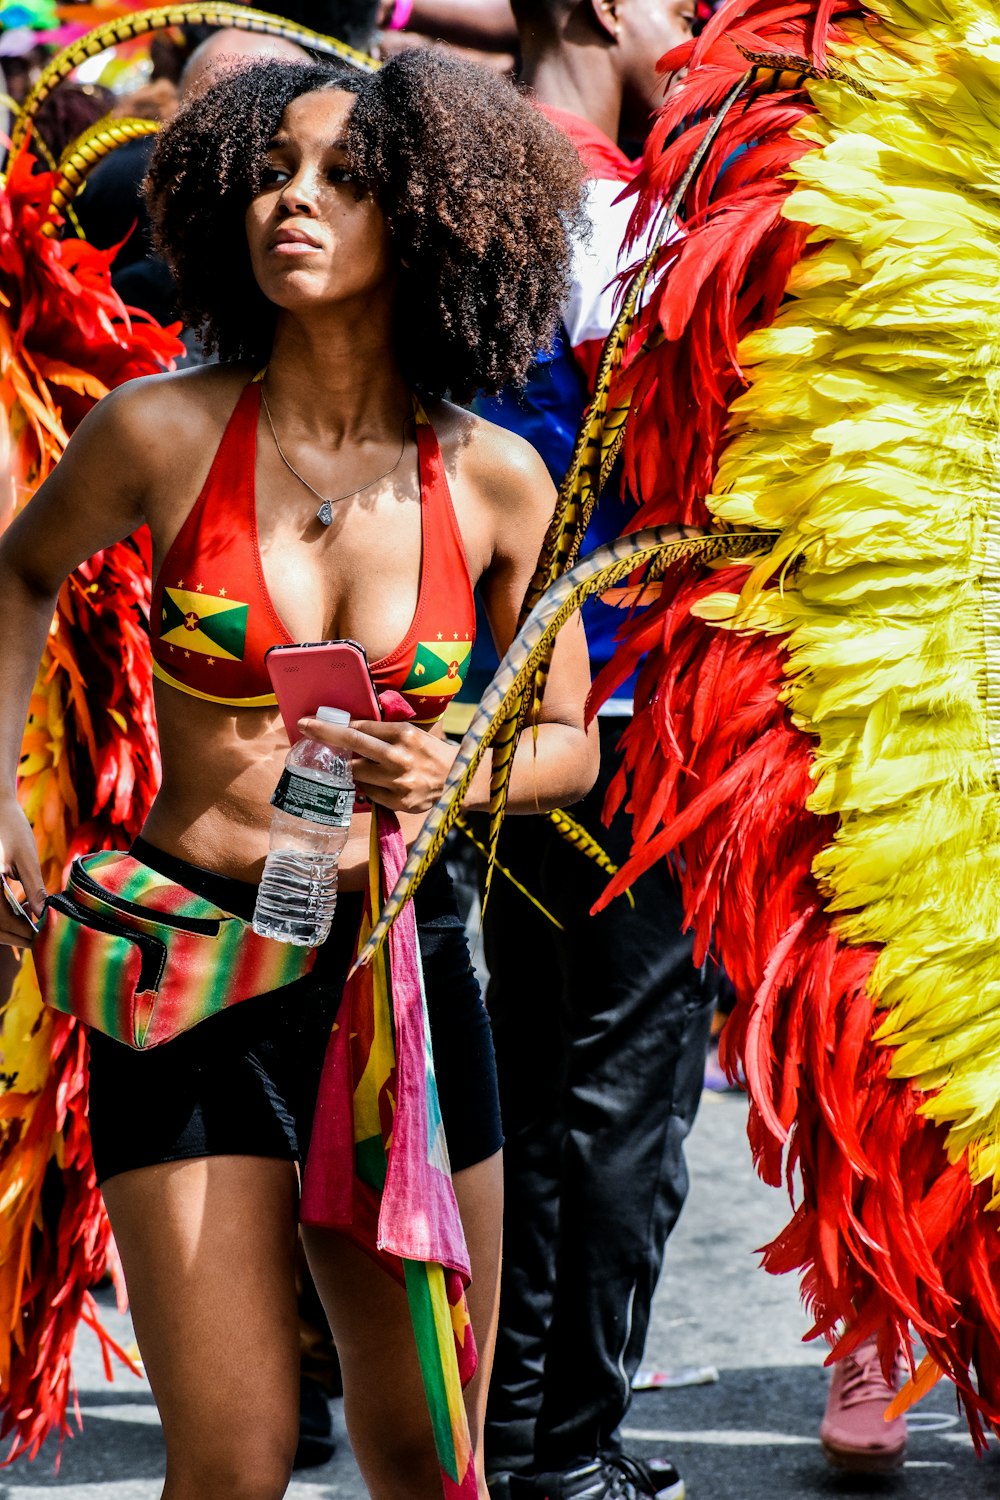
point(817, 362)
point(818, 735)
point(88, 773)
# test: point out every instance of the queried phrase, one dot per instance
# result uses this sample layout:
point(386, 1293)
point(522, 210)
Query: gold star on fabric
point(188, 655)
point(199, 587)
point(460, 1320)
point(455, 636)
point(440, 636)
point(211, 661)
point(222, 593)
point(180, 583)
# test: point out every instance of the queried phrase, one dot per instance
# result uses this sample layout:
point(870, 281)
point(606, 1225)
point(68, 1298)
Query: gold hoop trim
point(142, 22)
point(82, 156)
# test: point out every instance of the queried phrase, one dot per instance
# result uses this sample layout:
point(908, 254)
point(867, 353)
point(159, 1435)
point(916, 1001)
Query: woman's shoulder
point(497, 464)
point(176, 407)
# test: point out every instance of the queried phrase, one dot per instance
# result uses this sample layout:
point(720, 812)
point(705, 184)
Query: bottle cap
point(333, 716)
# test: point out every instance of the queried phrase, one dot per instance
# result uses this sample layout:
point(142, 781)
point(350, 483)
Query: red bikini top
point(212, 618)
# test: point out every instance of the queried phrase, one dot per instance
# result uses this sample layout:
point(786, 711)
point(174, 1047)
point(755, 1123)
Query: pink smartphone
point(316, 673)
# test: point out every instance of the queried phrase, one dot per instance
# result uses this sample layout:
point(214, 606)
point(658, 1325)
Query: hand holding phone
point(21, 873)
point(16, 906)
point(317, 674)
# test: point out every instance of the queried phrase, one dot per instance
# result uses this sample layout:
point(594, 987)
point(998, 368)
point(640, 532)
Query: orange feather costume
point(88, 773)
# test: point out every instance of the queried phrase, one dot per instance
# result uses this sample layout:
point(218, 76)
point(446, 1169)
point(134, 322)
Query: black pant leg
point(624, 1071)
point(523, 1000)
point(636, 1018)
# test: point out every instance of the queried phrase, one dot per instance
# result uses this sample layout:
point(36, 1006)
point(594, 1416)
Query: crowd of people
point(349, 300)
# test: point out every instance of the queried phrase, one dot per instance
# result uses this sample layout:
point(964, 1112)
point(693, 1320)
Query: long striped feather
point(583, 840)
point(602, 570)
point(462, 823)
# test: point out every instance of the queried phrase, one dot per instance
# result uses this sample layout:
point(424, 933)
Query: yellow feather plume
point(870, 437)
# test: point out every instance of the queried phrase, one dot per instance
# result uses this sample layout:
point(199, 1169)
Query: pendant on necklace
point(325, 513)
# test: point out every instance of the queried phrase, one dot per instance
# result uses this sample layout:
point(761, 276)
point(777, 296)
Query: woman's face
point(313, 241)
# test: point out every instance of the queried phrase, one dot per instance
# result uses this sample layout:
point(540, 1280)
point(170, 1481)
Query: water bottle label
point(303, 797)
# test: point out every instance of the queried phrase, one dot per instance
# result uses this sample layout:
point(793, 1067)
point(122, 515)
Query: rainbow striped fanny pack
point(142, 958)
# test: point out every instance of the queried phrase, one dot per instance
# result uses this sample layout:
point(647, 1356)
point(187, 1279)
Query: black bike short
point(244, 1082)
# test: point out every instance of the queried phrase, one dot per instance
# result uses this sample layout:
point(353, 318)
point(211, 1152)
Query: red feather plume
point(888, 1236)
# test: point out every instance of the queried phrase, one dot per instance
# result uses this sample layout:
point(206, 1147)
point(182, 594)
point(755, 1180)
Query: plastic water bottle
point(312, 804)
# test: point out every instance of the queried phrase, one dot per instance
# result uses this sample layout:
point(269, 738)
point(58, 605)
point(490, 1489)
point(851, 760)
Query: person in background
point(601, 1029)
point(350, 21)
point(482, 32)
point(66, 114)
point(22, 58)
point(485, 23)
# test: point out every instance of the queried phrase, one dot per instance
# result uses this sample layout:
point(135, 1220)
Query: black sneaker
point(614, 1476)
point(506, 1485)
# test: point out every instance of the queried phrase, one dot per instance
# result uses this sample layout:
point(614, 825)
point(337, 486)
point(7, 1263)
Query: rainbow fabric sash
point(378, 1167)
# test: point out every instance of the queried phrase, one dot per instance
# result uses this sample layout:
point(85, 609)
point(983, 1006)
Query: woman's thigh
point(208, 1250)
point(384, 1404)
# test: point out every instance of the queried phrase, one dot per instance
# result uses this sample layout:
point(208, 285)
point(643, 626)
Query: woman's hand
point(19, 861)
point(396, 765)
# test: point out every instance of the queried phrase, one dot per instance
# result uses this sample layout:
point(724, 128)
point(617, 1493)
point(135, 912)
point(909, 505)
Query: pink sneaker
point(854, 1432)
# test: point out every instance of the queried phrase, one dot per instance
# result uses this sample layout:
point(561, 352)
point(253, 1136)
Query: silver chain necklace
point(325, 512)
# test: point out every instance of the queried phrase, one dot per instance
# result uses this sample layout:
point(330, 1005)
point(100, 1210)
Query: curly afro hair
point(480, 193)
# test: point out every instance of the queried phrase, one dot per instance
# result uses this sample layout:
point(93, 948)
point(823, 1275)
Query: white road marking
point(719, 1437)
point(127, 1411)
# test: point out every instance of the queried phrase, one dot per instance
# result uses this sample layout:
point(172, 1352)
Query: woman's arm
point(488, 23)
point(560, 765)
point(92, 499)
point(404, 767)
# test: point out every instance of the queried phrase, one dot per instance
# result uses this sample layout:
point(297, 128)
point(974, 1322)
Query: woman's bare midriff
point(220, 767)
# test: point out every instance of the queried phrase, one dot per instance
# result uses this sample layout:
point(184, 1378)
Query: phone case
point(319, 674)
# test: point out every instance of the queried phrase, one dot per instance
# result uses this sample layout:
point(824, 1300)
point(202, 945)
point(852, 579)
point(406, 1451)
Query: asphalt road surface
point(750, 1434)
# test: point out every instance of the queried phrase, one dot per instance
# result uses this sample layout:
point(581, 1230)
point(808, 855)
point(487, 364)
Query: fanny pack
point(142, 958)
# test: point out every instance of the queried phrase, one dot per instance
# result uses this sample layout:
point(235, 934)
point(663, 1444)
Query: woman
point(363, 242)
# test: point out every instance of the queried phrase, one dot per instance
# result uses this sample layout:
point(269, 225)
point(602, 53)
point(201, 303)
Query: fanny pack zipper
point(206, 926)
